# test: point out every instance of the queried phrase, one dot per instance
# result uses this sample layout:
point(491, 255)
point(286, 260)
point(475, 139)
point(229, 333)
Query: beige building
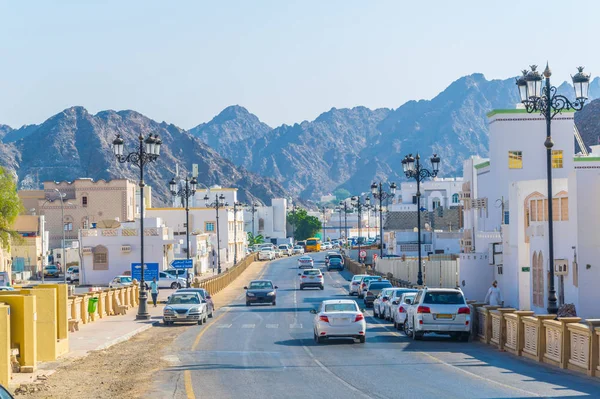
point(86, 202)
point(27, 252)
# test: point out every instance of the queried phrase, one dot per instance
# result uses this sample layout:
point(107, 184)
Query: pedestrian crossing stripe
point(272, 325)
point(295, 325)
point(248, 325)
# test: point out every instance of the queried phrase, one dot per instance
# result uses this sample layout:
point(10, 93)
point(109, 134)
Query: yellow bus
point(313, 244)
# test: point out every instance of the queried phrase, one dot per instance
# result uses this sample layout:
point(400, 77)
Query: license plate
point(444, 316)
point(181, 316)
point(311, 277)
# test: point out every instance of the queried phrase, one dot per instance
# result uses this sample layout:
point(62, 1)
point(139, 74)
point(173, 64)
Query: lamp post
point(219, 202)
point(236, 206)
point(147, 152)
point(339, 210)
point(356, 202)
point(414, 170)
point(293, 211)
point(62, 211)
point(185, 192)
point(542, 97)
point(381, 195)
point(344, 206)
point(323, 209)
point(253, 208)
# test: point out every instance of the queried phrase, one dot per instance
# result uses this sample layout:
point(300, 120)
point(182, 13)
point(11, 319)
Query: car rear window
point(311, 242)
point(378, 286)
point(312, 272)
point(341, 307)
point(335, 256)
point(444, 298)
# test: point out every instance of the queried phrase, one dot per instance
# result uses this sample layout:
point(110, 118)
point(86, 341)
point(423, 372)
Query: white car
point(298, 250)
point(326, 245)
point(339, 318)
point(185, 307)
point(400, 312)
point(392, 304)
point(311, 278)
point(380, 301)
point(73, 274)
point(355, 283)
point(286, 249)
point(439, 310)
point(306, 262)
point(166, 280)
point(120, 281)
point(266, 254)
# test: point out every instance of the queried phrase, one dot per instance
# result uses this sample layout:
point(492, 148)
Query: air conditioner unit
point(125, 248)
point(87, 250)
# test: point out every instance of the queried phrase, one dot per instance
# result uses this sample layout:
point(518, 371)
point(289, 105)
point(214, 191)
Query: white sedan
point(306, 262)
point(266, 254)
point(339, 318)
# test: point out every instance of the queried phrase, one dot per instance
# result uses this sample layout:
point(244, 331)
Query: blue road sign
point(150, 271)
point(182, 263)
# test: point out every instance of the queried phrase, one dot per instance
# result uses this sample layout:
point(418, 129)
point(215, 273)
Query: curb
point(127, 336)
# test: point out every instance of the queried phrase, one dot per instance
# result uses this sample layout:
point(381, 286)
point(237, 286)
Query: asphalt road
point(268, 352)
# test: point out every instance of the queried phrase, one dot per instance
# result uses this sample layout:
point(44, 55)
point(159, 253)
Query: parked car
point(6, 288)
point(380, 301)
point(266, 254)
point(179, 273)
point(166, 280)
point(120, 281)
point(374, 287)
point(298, 249)
point(326, 245)
point(306, 262)
point(339, 318)
point(363, 284)
point(311, 278)
point(51, 271)
point(261, 291)
point(391, 306)
point(355, 283)
point(333, 255)
point(335, 263)
point(439, 310)
point(73, 274)
point(286, 249)
point(205, 296)
point(400, 312)
point(302, 244)
point(278, 253)
point(185, 307)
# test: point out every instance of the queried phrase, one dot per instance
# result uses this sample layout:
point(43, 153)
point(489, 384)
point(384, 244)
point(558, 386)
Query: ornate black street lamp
point(538, 96)
point(292, 210)
point(360, 206)
point(236, 206)
point(147, 152)
point(344, 207)
point(323, 210)
point(253, 208)
point(379, 194)
point(414, 170)
point(219, 202)
point(184, 192)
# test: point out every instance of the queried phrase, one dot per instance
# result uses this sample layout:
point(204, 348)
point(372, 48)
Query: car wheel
point(395, 325)
point(211, 314)
point(362, 339)
point(315, 337)
point(247, 303)
point(406, 328)
point(173, 286)
point(274, 303)
point(301, 287)
point(464, 337)
point(322, 287)
point(200, 321)
point(375, 314)
point(320, 340)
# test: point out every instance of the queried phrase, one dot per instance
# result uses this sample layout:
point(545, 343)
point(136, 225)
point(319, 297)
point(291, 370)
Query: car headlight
point(169, 311)
point(271, 293)
point(249, 294)
point(195, 310)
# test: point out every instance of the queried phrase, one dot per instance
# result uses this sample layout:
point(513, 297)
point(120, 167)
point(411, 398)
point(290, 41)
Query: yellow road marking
point(187, 375)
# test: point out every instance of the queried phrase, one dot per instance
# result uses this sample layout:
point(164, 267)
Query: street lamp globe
point(393, 188)
point(534, 83)
point(410, 163)
point(118, 146)
point(150, 144)
point(173, 186)
point(405, 164)
point(193, 184)
point(374, 188)
point(353, 199)
point(522, 85)
point(581, 83)
point(368, 201)
point(435, 164)
point(206, 200)
point(157, 144)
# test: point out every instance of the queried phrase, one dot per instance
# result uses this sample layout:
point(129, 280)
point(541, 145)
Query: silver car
point(306, 262)
point(311, 278)
point(381, 301)
point(185, 307)
point(391, 306)
point(355, 283)
point(400, 312)
point(339, 318)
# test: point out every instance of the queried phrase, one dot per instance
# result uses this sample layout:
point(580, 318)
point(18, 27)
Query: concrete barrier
point(23, 328)
point(5, 352)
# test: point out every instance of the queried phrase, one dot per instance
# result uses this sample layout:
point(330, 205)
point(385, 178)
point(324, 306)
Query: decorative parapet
point(484, 332)
point(583, 354)
point(557, 342)
point(515, 331)
point(498, 333)
point(534, 342)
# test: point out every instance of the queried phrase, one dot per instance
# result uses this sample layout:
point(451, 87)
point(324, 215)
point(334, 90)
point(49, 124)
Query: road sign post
point(150, 271)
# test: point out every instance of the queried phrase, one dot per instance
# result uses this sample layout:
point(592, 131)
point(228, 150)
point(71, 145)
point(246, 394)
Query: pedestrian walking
point(494, 296)
point(154, 290)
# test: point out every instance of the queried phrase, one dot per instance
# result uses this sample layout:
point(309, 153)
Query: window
point(209, 226)
point(557, 159)
point(84, 201)
point(68, 226)
point(414, 201)
point(555, 209)
point(538, 279)
point(515, 160)
point(436, 203)
point(261, 224)
point(100, 258)
point(455, 198)
point(564, 208)
point(84, 223)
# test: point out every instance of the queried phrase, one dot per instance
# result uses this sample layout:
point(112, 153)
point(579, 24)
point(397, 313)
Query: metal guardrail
point(217, 283)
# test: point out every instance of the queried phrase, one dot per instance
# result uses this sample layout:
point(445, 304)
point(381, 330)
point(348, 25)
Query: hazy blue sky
point(286, 61)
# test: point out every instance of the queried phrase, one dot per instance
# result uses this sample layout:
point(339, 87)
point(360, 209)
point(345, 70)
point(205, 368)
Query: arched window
point(261, 224)
point(538, 280)
point(68, 223)
point(455, 198)
point(436, 203)
point(100, 258)
point(85, 223)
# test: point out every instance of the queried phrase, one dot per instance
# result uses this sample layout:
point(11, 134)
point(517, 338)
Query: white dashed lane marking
point(223, 325)
point(296, 325)
point(248, 325)
point(272, 325)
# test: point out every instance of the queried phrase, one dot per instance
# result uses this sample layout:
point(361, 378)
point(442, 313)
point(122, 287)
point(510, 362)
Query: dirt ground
point(121, 371)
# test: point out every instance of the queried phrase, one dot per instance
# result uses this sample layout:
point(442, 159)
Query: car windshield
point(378, 285)
point(266, 249)
point(311, 242)
point(283, 247)
point(202, 293)
point(367, 279)
point(183, 299)
point(357, 278)
point(341, 307)
point(126, 279)
point(260, 285)
point(305, 259)
point(297, 247)
point(312, 272)
point(444, 298)
point(51, 267)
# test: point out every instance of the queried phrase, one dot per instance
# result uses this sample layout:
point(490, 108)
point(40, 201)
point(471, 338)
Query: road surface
point(268, 352)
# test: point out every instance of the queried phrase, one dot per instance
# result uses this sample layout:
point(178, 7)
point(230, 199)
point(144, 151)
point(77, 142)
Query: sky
point(285, 61)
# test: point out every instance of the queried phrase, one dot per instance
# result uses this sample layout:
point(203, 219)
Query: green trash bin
point(92, 305)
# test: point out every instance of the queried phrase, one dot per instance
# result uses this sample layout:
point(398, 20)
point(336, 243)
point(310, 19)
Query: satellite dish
point(108, 224)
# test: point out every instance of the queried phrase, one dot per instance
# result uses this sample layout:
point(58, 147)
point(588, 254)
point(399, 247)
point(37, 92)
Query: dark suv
point(374, 287)
point(335, 263)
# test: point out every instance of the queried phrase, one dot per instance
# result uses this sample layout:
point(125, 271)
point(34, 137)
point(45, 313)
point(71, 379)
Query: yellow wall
point(62, 296)
point(23, 327)
point(5, 367)
point(46, 322)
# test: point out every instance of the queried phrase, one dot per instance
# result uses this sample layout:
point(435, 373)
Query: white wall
point(475, 275)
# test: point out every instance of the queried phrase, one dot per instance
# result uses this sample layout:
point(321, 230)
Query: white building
point(268, 221)
point(505, 233)
point(437, 192)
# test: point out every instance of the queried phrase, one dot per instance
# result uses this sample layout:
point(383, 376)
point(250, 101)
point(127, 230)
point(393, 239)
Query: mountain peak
point(233, 112)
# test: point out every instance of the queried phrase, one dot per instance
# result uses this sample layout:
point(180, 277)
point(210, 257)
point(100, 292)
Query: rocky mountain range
point(349, 148)
point(75, 143)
